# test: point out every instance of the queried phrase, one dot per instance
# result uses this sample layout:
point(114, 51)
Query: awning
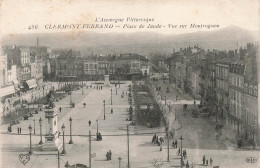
point(31, 83)
point(7, 91)
point(15, 81)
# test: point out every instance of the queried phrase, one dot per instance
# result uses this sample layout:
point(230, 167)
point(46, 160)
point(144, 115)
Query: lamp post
point(33, 126)
point(70, 99)
point(169, 107)
point(97, 126)
point(181, 138)
point(104, 109)
point(82, 85)
point(43, 90)
point(175, 113)
point(33, 101)
point(161, 94)
point(70, 120)
point(63, 130)
point(40, 122)
point(111, 96)
point(30, 129)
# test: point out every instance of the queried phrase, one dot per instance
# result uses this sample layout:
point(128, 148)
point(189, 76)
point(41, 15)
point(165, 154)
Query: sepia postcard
point(129, 84)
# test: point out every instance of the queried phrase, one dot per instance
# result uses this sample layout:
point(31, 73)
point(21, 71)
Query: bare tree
point(157, 163)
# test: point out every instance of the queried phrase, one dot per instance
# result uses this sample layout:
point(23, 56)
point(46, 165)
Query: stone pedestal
point(106, 81)
point(52, 141)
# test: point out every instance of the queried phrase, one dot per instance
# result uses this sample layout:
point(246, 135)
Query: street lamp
point(40, 122)
point(169, 107)
point(70, 99)
point(181, 138)
point(63, 130)
point(97, 126)
point(43, 90)
point(104, 109)
point(33, 126)
point(111, 96)
point(175, 114)
point(70, 120)
point(30, 129)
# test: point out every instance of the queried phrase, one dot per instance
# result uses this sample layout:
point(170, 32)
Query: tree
point(157, 163)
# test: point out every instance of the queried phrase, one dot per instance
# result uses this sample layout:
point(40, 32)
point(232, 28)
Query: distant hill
point(138, 42)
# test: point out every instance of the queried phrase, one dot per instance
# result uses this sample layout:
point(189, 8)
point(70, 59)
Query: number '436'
point(33, 27)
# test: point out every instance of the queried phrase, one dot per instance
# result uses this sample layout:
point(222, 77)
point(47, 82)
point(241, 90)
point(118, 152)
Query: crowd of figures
point(109, 155)
point(206, 161)
point(157, 140)
point(99, 137)
point(183, 153)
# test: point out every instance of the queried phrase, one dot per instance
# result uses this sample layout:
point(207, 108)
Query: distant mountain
point(138, 42)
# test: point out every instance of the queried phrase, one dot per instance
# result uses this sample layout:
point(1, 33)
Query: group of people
point(184, 153)
point(157, 140)
point(19, 130)
point(175, 144)
point(98, 87)
point(206, 161)
point(99, 137)
point(109, 155)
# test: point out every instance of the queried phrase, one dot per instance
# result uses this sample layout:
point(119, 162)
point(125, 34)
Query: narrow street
point(199, 135)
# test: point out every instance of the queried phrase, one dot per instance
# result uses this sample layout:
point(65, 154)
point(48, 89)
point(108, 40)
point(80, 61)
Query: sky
point(17, 16)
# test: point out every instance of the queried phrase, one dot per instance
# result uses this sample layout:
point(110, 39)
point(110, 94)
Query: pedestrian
point(89, 123)
point(110, 155)
point(112, 111)
point(157, 139)
point(176, 146)
point(210, 161)
point(179, 151)
point(161, 140)
point(100, 136)
point(204, 159)
point(154, 139)
point(18, 130)
point(207, 162)
point(161, 148)
point(173, 144)
point(185, 154)
point(107, 155)
point(187, 165)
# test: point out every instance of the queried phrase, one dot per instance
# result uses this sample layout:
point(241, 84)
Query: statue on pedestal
point(50, 100)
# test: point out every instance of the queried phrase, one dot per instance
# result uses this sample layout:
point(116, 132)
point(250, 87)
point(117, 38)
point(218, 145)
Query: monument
point(106, 81)
point(52, 141)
